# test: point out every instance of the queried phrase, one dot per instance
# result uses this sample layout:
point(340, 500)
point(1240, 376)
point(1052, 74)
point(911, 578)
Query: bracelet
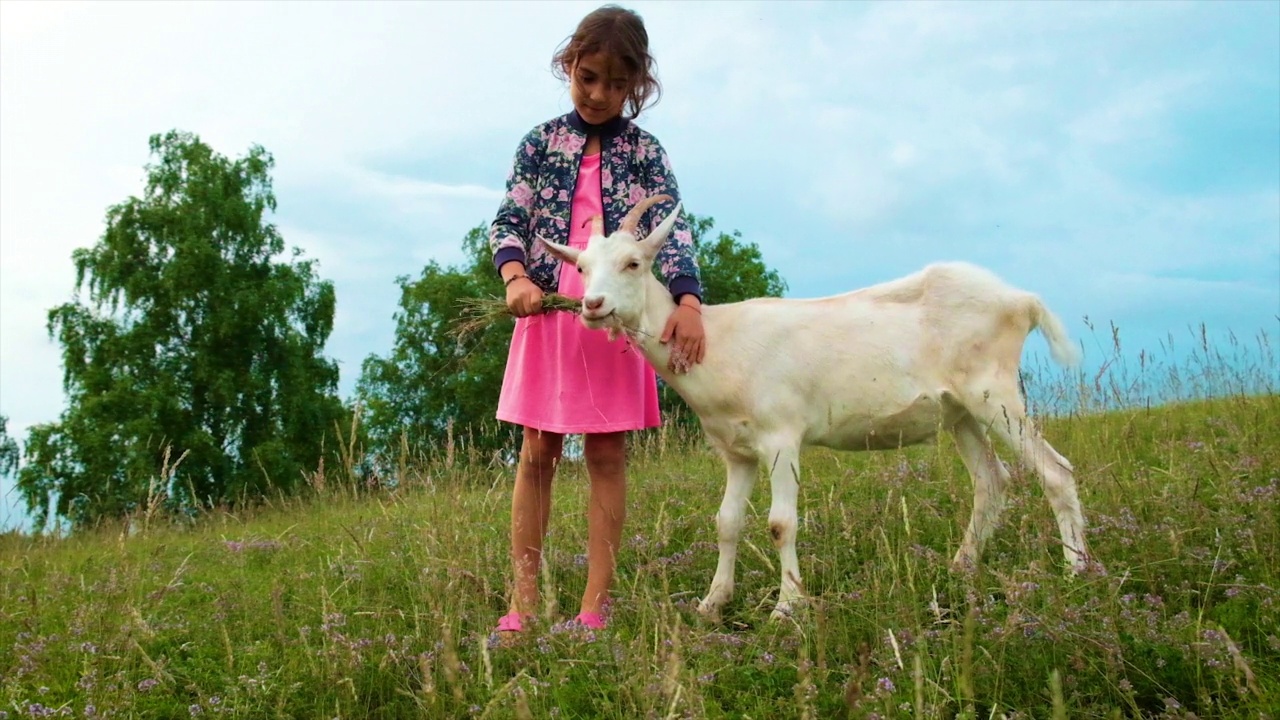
point(512, 279)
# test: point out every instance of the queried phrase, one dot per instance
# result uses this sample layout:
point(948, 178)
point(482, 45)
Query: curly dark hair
point(619, 34)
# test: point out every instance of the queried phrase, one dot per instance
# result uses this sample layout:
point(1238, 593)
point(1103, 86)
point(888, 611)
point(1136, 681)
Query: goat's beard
point(611, 324)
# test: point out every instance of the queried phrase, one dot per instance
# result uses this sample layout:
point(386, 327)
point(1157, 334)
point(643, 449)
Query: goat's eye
point(633, 265)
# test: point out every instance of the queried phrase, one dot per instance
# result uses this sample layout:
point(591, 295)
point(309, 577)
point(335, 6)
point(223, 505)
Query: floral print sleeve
point(509, 233)
point(677, 260)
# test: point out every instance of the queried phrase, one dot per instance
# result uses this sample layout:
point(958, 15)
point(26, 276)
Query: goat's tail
point(1063, 350)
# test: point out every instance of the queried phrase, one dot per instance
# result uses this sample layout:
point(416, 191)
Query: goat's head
point(613, 268)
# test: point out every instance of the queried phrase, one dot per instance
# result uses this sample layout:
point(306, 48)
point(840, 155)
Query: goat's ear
point(562, 252)
point(654, 242)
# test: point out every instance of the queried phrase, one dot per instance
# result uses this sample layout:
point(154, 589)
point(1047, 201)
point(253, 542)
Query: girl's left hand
point(690, 346)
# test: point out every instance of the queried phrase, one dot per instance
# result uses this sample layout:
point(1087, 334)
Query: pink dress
point(562, 377)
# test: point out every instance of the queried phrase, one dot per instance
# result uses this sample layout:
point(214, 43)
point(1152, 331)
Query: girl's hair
point(619, 34)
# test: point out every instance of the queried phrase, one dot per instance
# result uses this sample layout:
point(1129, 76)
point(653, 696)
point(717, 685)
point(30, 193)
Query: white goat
point(883, 367)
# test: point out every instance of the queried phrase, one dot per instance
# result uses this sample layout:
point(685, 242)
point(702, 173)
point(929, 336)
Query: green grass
point(378, 603)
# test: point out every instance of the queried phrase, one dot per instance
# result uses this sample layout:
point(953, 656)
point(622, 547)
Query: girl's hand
point(524, 297)
point(685, 327)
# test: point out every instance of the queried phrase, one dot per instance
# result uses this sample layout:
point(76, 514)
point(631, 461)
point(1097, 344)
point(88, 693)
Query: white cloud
point(1136, 112)
point(413, 198)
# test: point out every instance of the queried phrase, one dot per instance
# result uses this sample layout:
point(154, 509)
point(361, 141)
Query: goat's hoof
point(717, 597)
point(963, 564)
point(1086, 566)
point(787, 609)
point(710, 611)
point(781, 614)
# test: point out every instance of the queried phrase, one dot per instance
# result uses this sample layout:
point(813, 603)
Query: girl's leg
point(530, 511)
point(606, 512)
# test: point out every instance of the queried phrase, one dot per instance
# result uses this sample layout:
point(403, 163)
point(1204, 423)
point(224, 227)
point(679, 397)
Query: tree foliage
point(9, 454)
point(194, 340)
point(431, 385)
point(732, 270)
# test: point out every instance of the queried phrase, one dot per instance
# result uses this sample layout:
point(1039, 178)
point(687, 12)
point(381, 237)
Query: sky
point(1122, 160)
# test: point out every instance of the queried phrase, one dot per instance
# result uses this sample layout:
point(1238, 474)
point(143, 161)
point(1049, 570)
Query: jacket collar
point(606, 130)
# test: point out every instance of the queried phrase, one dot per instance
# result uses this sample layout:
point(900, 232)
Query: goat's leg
point(784, 479)
point(1058, 480)
point(990, 479)
point(729, 521)
point(1009, 421)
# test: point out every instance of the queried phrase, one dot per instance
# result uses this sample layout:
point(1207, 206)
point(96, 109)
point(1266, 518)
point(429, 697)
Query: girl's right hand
point(524, 297)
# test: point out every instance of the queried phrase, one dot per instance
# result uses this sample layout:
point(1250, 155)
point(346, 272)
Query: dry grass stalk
point(480, 312)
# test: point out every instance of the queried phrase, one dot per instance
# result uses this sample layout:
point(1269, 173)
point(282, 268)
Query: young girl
point(560, 377)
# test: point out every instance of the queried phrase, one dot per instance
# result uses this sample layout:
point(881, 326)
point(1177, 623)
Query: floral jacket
point(539, 197)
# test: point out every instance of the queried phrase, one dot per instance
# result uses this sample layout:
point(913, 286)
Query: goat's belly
point(912, 424)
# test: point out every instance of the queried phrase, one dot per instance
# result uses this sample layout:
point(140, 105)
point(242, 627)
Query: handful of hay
point(481, 312)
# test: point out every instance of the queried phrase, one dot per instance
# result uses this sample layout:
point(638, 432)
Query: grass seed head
point(479, 313)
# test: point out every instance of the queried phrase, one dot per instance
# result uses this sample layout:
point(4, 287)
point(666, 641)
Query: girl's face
point(598, 89)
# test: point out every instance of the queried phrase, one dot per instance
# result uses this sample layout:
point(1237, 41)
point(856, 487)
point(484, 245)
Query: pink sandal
point(511, 622)
point(595, 621)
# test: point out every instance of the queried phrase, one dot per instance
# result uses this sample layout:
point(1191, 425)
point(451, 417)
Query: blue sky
point(1120, 159)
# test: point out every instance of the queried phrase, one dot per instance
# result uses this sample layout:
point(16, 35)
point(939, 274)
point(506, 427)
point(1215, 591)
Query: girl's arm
point(677, 261)
point(508, 233)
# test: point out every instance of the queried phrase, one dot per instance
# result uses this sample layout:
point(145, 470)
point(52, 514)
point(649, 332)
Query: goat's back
point(843, 364)
point(942, 305)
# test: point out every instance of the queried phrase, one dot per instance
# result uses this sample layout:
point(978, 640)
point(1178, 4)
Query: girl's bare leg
point(530, 511)
point(606, 512)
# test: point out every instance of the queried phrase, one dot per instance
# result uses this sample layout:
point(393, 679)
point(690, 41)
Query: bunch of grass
point(479, 313)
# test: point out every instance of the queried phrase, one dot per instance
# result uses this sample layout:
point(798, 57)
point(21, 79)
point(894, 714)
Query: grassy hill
point(378, 603)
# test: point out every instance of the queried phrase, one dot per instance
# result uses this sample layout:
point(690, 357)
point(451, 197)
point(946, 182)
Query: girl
point(560, 377)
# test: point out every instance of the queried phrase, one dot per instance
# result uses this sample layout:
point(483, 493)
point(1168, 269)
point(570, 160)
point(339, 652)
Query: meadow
point(359, 601)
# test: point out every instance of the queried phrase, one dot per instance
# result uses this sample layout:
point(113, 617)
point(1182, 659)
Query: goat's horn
point(631, 223)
